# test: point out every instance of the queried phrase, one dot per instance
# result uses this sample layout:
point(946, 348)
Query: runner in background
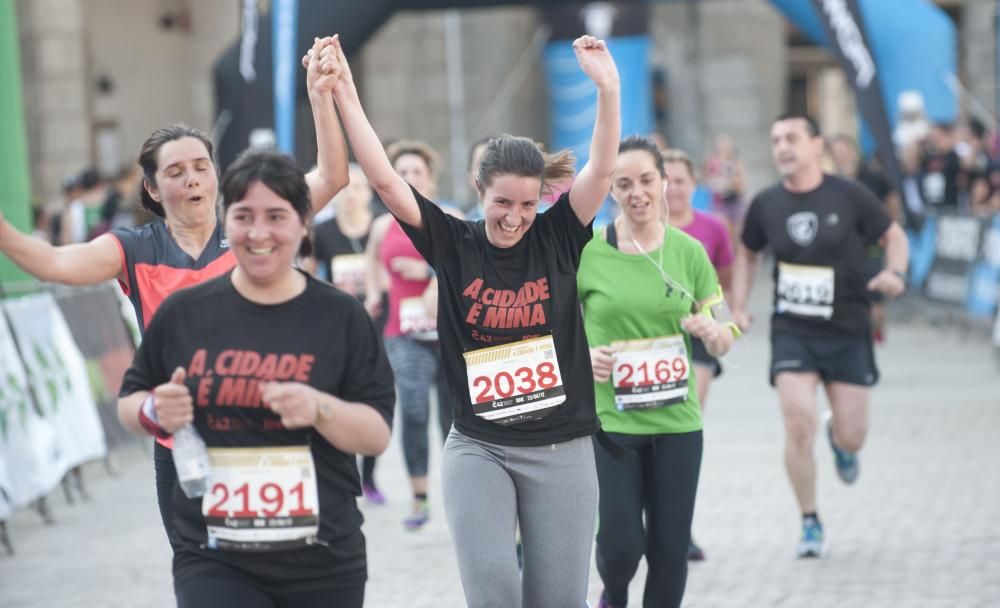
point(83, 214)
point(474, 210)
point(725, 177)
point(819, 228)
point(180, 185)
point(339, 257)
point(411, 323)
point(641, 284)
point(282, 407)
point(514, 350)
point(712, 234)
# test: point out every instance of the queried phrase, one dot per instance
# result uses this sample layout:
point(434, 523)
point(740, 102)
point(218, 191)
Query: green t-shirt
point(625, 298)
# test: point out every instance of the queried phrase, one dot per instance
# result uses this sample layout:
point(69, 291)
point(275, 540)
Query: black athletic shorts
point(210, 582)
point(846, 358)
point(699, 354)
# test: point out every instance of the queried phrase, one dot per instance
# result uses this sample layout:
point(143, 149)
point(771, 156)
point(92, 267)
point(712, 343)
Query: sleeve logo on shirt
point(507, 308)
point(802, 227)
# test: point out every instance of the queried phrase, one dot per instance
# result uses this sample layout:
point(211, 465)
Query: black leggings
point(166, 479)
point(661, 477)
point(444, 420)
point(220, 586)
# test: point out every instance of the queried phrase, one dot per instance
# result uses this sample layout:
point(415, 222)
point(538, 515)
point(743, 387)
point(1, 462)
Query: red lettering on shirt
point(304, 370)
point(238, 375)
point(498, 317)
point(474, 313)
point(507, 308)
point(231, 391)
point(286, 367)
point(204, 389)
point(239, 392)
point(224, 361)
point(248, 363)
point(472, 291)
point(197, 365)
point(267, 366)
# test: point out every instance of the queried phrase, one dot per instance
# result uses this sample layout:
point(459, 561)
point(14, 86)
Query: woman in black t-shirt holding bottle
point(247, 359)
point(514, 349)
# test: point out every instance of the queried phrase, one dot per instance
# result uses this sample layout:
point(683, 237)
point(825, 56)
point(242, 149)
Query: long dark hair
point(150, 163)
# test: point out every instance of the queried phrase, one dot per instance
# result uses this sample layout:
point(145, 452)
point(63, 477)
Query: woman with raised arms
point(513, 348)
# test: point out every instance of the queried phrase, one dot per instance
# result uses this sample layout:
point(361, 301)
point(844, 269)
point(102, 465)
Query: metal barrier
point(955, 268)
point(63, 353)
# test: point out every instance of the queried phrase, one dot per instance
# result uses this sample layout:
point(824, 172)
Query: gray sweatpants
point(551, 490)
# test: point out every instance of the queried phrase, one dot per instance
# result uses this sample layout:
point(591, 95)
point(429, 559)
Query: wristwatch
point(900, 274)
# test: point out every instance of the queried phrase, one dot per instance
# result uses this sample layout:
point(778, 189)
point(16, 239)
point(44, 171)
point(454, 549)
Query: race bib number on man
point(349, 273)
point(805, 291)
point(515, 383)
point(650, 373)
point(261, 499)
point(414, 320)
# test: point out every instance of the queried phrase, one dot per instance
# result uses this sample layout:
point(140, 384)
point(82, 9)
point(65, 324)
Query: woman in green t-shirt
point(641, 283)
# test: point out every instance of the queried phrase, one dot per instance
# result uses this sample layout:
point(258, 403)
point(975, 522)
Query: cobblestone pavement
point(920, 529)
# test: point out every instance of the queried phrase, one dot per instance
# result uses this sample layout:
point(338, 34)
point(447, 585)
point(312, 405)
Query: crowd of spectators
point(91, 205)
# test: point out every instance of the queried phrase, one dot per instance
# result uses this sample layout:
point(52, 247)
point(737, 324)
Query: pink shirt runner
point(713, 235)
point(396, 244)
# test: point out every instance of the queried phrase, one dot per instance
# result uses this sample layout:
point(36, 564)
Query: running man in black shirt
point(819, 227)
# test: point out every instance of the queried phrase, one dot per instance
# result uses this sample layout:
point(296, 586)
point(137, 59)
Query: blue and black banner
point(844, 26)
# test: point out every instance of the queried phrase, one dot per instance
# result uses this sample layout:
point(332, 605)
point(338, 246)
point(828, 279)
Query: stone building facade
point(99, 75)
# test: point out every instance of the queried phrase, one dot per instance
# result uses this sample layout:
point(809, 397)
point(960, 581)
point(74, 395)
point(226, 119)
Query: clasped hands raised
point(328, 70)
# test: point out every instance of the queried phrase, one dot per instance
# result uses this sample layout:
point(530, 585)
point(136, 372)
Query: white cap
point(262, 139)
point(598, 19)
point(910, 101)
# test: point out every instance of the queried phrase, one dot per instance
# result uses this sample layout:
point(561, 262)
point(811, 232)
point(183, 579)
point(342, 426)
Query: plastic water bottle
point(191, 461)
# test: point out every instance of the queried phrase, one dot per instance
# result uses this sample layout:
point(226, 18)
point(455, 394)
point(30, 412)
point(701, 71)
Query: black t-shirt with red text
point(490, 296)
point(228, 346)
point(826, 233)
